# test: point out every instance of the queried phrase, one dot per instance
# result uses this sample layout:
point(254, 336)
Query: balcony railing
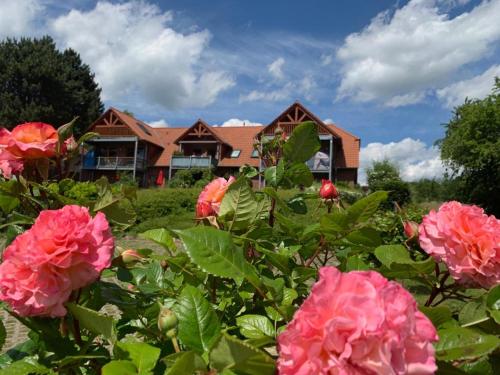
point(114, 163)
point(186, 162)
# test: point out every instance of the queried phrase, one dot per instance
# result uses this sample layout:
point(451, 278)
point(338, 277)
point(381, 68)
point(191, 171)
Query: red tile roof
point(238, 137)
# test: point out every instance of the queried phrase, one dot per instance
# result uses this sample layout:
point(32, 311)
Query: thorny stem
point(316, 253)
point(271, 212)
point(438, 288)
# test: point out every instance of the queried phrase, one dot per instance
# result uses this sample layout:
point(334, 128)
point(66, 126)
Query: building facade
point(128, 145)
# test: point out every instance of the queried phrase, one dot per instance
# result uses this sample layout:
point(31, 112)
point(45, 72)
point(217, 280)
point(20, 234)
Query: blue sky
point(388, 71)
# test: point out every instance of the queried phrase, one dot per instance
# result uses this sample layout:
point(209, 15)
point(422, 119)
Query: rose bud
point(70, 144)
point(411, 229)
point(131, 256)
point(328, 190)
point(167, 322)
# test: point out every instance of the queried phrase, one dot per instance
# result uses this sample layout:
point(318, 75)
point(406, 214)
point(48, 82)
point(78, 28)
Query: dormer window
point(255, 153)
point(235, 153)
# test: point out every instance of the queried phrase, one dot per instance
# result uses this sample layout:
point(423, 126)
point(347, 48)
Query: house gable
point(291, 117)
point(200, 131)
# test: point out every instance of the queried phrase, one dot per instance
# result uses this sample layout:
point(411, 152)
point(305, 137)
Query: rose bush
point(232, 294)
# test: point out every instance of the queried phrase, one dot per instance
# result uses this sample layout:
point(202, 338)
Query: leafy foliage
point(217, 298)
point(471, 148)
point(41, 83)
point(383, 175)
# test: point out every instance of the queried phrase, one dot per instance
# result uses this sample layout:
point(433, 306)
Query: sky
point(390, 72)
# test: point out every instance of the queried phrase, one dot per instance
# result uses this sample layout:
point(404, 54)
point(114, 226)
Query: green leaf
point(198, 326)
point(255, 326)
point(93, 321)
point(26, 367)
point(364, 208)
point(229, 353)
point(184, 363)
point(3, 335)
point(299, 174)
point(474, 312)
point(334, 223)
point(213, 251)
point(161, 237)
point(119, 368)
point(142, 355)
point(356, 263)
point(303, 143)
point(438, 315)
point(8, 202)
point(273, 175)
point(493, 303)
point(393, 256)
point(365, 237)
point(463, 343)
point(298, 205)
point(239, 205)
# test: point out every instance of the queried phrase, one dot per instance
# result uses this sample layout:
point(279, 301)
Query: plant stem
point(76, 331)
point(271, 212)
point(176, 345)
point(316, 253)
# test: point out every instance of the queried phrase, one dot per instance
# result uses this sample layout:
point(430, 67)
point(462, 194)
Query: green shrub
point(82, 192)
point(156, 203)
point(186, 178)
point(178, 221)
point(390, 223)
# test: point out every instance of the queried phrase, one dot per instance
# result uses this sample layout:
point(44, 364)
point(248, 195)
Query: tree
point(40, 83)
point(383, 175)
point(471, 149)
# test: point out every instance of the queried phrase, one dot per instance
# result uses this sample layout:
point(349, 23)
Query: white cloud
point(238, 122)
point(328, 121)
point(276, 68)
point(414, 158)
point(277, 95)
point(399, 56)
point(133, 51)
point(475, 88)
point(17, 17)
point(326, 59)
point(161, 123)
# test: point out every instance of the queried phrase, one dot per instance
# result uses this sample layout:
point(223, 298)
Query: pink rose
point(65, 250)
point(357, 323)
point(9, 164)
point(466, 239)
point(32, 140)
point(211, 197)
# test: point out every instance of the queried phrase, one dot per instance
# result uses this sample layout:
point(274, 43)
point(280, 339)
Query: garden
point(220, 278)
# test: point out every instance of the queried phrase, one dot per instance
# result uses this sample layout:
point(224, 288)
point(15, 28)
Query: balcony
point(186, 162)
point(113, 163)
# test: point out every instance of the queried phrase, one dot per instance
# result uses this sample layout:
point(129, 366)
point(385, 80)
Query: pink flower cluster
point(63, 251)
point(357, 323)
point(32, 140)
point(466, 240)
point(210, 198)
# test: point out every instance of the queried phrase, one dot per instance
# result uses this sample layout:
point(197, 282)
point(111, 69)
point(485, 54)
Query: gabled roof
point(297, 113)
point(142, 130)
point(201, 128)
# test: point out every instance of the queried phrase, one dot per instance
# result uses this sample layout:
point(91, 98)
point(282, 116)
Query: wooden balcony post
point(135, 158)
point(331, 159)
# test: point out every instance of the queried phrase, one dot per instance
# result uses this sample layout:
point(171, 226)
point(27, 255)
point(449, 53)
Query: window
point(255, 153)
point(235, 153)
point(143, 128)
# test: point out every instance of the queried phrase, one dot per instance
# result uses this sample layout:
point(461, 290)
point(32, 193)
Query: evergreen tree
point(40, 83)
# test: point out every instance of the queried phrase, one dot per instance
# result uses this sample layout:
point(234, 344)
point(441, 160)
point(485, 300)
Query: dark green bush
point(156, 203)
point(186, 178)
